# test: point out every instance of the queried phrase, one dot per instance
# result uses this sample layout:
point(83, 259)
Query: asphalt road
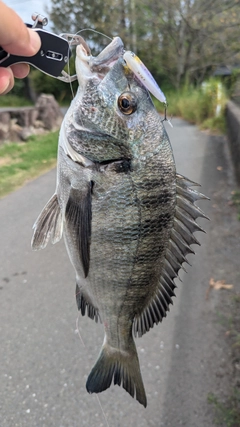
point(44, 363)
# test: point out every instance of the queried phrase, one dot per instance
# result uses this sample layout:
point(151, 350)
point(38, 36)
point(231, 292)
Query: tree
point(179, 40)
point(201, 35)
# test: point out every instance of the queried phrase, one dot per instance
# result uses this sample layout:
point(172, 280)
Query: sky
point(25, 8)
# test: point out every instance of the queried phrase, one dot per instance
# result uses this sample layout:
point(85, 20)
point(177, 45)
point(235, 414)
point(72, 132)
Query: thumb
point(15, 37)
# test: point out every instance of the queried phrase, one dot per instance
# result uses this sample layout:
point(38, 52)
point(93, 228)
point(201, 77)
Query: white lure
point(143, 74)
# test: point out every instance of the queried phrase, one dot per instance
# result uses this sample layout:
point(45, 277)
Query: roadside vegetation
point(236, 201)
point(203, 106)
point(12, 100)
point(21, 162)
point(227, 413)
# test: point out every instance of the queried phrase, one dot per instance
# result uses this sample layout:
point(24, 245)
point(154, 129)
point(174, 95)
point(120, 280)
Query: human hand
point(17, 39)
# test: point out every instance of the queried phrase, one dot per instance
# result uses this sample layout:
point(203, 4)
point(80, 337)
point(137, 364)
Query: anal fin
point(85, 305)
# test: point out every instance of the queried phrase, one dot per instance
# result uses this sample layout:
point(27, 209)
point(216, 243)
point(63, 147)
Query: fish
point(127, 217)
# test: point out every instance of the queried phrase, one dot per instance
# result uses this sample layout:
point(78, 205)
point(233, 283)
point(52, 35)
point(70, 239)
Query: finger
point(15, 37)
point(6, 80)
point(20, 70)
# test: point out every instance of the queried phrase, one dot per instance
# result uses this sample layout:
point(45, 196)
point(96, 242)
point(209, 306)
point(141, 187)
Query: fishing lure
point(140, 70)
point(143, 74)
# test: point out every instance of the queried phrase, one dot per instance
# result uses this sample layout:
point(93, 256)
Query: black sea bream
point(126, 216)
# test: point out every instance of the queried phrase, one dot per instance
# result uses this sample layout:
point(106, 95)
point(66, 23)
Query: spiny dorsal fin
point(48, 224)
point(181, 238)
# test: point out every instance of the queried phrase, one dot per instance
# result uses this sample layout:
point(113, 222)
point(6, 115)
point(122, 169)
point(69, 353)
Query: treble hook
point(165, 115)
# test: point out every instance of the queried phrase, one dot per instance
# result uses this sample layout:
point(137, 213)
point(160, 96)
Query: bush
point(204, 106)
point(10, 100)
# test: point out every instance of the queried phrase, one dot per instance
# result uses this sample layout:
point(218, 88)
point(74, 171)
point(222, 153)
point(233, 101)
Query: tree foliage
point(179, 40)
point(201, 35)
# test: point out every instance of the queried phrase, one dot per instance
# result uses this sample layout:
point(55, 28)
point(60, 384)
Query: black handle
point(52, 57)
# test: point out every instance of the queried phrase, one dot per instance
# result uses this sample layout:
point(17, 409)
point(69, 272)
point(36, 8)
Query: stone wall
point(233, 130)
point(17, 124)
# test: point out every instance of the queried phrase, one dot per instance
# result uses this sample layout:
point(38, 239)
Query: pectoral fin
point(78, 223)
point(48, 224)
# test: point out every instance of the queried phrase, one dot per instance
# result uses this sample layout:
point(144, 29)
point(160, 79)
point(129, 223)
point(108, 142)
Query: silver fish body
point(126, 216)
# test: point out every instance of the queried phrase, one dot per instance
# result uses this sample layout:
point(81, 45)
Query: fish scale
point(126, 216)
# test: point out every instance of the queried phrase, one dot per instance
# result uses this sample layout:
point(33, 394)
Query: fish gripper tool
point(53, 55)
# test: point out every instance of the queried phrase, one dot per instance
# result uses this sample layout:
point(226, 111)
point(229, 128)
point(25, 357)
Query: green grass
point(236, 201)
point(10, 100)
point(216, 125)
point(227, 413)
point(20, 162)
point(198, 106)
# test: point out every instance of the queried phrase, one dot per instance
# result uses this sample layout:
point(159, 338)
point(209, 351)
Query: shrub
point(204, 106)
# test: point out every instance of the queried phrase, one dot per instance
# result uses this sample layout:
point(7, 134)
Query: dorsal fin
point(181, 238)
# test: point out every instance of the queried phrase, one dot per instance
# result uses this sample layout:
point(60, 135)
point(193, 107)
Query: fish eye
point(127, 103)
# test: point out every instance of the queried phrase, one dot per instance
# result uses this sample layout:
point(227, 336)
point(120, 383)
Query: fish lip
point(110, 54)
point(88, 66)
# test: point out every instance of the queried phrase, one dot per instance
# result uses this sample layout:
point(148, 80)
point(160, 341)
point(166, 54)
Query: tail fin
point(120, 366)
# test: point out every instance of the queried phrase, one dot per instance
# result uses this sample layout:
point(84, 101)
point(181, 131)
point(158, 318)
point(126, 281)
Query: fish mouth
point(88, 66)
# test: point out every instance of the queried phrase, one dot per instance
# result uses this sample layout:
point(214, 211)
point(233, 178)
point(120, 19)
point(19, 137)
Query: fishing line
point(69, 73)
point(78, 331)
point(94, 31)
point(104, 415)
point(97, 397)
